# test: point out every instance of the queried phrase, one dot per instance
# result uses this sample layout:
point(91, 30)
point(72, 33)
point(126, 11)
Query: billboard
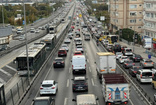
point(147, 42)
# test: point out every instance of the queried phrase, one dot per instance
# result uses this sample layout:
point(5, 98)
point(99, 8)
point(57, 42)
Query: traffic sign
point(23, 22)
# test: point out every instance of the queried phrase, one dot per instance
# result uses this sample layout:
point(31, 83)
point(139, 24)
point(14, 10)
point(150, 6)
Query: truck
point(115, 89)
point(105, 63)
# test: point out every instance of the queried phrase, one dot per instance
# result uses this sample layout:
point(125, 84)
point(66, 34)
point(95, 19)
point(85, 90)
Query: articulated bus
point(50, 40)
point(112, 39)
point(36, 55)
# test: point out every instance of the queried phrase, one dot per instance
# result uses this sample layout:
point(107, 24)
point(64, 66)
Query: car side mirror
point(73, 99)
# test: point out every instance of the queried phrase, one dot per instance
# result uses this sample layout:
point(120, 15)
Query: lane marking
point(65, 101)
point(92, 81)
point(87, 60)
point(11, 68)
point(5, 72)
point(98, 102)
point(89, 69)
point(68, 83)
point(131, 102)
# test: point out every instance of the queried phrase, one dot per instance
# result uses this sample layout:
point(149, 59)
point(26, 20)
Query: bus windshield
point(22, 63)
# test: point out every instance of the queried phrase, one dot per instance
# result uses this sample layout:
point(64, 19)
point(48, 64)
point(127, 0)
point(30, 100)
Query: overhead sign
point(102, 18)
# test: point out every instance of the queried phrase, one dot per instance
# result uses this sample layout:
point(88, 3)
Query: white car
point(79, 48)
point(32, 30)
point(144, 75)
point(37, 31)
point(65, 46)
point(118, 55)
point(67, 40)
point(19, 31)
point(48, 87)
point(123, 58)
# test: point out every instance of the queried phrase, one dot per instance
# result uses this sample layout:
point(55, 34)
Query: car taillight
point(126, 64)
point(53, 87)
point(133, 63)
point(41, 87)
point(145, 63)
point(152, 75)
point(125, 102)
point(134, 71)
point(152, 63)
point(85, 65)
point(62, 62)
point(135, 57)
point(54, 62)
point(141, 76)
point(72, 66)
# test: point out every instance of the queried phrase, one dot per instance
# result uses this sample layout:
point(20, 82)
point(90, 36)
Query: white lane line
point(89, 69)
point(68, 83)
point(87, 60)
point(92, 81)
point(2, 81)
point(5, 72)
point(131, 102)
point(65, 101)
point(11, 68)
point(98, 103)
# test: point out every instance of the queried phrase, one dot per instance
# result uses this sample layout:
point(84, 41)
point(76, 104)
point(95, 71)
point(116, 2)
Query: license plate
point(58, 63)
point(80, 87)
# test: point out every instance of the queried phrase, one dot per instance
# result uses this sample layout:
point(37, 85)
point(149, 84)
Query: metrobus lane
point(135, 98)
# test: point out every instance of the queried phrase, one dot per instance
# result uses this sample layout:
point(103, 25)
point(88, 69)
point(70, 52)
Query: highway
point(63, 76)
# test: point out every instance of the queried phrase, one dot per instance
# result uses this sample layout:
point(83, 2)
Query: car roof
point(77, 52)
point(79, 78)
point(41, 98)
point(48, 82)
point(85, 99)
point(145, 70)
point(62, 49)
point(58, 58)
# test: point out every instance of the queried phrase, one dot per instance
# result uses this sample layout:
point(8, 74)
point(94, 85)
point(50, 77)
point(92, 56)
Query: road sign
point(23, 22)
point(102, 18)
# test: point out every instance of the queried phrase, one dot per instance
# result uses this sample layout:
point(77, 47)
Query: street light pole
point(134, 33)
point(26, 42)
point(2, 13)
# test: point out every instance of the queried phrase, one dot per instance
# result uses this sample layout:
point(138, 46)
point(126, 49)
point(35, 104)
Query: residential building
point(126, 14)
point(149, 28)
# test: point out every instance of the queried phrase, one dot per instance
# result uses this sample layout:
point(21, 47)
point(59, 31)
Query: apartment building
point(149, 28)
point(126, 14)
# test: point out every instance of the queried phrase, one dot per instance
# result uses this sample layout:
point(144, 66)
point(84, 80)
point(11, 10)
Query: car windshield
point(61, 50)
point(137, 55)
point(79, 46)
point(47, 85)
point(118, 53)
point(128, 50)
point(148, 61)
point(147, 74)
point(58, 59)
point(41, 102)
point(79, 81)
point(137, 68)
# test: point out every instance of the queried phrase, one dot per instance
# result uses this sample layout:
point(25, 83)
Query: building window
point(147, 14)
point(133, 21)
point(152, 16)
point(148, 5)
point(132, 13)
point(133, 6)
point(139, 27)
point(140, 19)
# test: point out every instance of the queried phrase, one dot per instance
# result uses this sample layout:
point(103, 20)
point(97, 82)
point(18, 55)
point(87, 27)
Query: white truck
point(115, 89)
point(105, 63)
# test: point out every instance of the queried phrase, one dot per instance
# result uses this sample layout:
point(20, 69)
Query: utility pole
point(26, 42)
point(2, 13)
point(134, 32)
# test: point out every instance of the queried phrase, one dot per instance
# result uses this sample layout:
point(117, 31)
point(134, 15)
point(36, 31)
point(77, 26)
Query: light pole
point(2, 13)
point(26, 42)
point(134, 32)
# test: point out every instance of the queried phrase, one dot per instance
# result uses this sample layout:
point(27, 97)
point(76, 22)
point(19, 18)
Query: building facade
point(126, 14)
point(149, 28)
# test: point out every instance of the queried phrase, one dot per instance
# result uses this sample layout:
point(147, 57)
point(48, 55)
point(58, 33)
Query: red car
point(77, 53)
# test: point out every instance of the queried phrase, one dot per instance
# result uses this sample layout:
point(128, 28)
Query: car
point(133, 70)
point(78, 41)
point(136, 57)
point(123, 58)
point(58, 62)
point(123, 48)
point(128, 64)
point(48, 87)
point(77, 53)
point(80, 84)
point(79, 48)
point(37, 31)
point(62, 52)
point(147, 63)
point(67, 41)
point(128, 52)
point(43, 101)
point(19, 31)
point(87, 36)
point(105, 42)
point(65, 46)
point(144, 76)
point(109, 47)
point(32, 30)
point(118, 55)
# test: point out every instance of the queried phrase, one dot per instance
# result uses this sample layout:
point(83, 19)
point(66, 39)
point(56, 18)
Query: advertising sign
point(147, 42)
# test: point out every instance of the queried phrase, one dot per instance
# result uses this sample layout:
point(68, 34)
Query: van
point(79, 64)
point(128, 52)
point(86, 99)
point(144, 76)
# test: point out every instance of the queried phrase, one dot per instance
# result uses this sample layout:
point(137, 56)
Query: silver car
point(147, 63)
